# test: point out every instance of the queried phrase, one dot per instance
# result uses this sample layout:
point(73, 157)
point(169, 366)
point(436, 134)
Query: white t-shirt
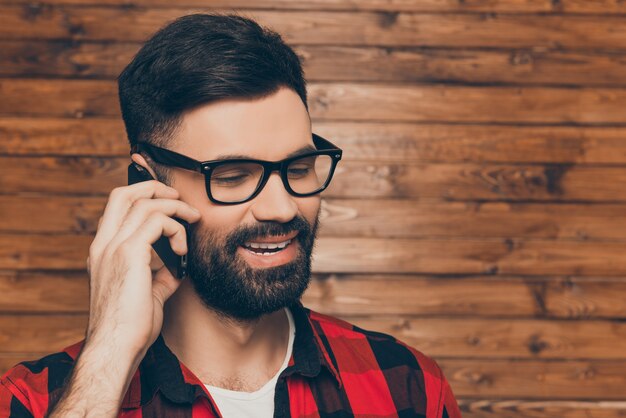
point(257, 404)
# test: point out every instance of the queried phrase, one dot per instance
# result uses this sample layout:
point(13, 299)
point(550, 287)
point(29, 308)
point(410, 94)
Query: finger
point(158, 224)
point(119, 203)
point(144, 208)
point(164, 285)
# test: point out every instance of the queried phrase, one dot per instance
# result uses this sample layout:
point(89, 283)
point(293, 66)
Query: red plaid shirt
point(336, 370)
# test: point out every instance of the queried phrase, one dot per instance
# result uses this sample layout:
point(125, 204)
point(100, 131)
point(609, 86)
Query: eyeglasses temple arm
point(168, 157)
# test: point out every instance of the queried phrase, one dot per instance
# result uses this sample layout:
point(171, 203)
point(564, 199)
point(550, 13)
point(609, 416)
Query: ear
point(138, 158)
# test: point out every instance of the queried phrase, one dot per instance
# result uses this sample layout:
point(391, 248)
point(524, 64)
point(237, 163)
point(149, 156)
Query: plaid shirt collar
point(161, 370)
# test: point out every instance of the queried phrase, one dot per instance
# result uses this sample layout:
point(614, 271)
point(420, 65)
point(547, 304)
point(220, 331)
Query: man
point(231, 339)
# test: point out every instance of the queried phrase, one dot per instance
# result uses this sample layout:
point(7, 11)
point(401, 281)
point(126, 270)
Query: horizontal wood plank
point(37, 333)
point(470, 256)
point(580, 298)
point(329, 27)
point(532, 379)
point(353, 179)
point(45, 251)
point(499, 6)
point(345, 63)
point(394, 141)
point(353, 101)
point(438, 337)
point(50, 292)
point(427, 219)
point(374, 294)
point(486, 296)
point(505, 338)
point(375, 218)
point(29, 136)
point(364, 255)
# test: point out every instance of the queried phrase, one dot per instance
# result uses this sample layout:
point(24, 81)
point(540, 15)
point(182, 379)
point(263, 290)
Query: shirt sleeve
point(440, 401)
point(450, 407)
point(13, 403)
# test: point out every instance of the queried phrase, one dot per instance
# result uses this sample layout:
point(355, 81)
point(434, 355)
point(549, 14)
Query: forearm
point(98, 383)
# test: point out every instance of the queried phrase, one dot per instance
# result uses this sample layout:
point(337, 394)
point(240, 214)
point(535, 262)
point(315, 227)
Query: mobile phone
point(176, 264)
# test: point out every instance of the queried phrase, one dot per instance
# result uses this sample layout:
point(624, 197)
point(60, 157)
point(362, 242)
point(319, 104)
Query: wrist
point(99, 381)
point(111, 362)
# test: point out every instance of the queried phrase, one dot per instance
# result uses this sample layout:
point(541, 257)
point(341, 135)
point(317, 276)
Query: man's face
point(227, 277)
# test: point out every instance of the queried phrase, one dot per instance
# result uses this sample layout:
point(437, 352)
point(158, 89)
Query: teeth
point(267, 244)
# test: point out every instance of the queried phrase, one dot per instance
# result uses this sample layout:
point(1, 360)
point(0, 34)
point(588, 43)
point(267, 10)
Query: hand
point(126, 302)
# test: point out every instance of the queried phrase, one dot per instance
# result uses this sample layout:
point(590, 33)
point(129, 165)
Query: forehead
point(270, 128)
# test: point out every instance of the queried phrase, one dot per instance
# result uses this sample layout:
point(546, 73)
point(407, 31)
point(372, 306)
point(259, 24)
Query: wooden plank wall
point(479, 213)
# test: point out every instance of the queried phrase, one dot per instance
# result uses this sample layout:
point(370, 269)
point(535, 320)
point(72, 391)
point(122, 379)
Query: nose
point(274, 202)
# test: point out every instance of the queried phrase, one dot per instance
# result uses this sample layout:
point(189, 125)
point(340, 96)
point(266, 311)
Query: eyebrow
point(300, 151)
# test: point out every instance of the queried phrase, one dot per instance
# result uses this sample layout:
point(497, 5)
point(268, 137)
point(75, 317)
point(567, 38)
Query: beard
point(228, 285)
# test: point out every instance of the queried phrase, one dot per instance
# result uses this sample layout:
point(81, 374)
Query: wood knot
point(473, 340)
point(536, 345)
point(322, 102)
point(480, 379)
point(403, 324)
point(492, 270)
point(76, 29)
point(387, 19)
point(520, 58)
point(586, 373)
point(554, 176)
point(32, 11)
point(557, 5)
point(81, 68)
point(488, 16)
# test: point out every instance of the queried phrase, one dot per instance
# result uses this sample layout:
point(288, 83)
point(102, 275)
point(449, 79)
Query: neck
point(221, 349)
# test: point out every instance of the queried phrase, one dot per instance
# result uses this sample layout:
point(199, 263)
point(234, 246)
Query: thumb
point(164, 284)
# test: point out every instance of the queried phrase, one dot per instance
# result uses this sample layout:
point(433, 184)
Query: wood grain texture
point(475, 296)
point(375, 294)
point(32, 333)
point(471, 339)
point(401, 255)
point(478, 213)
point(354, 179)
point(535, 379)
point(389, 141)
point(470, 256)
point(524, 6)
point(337, 294)
point(523, 66)
point(500, 6)
point(374, 218)
point(353, 101)
point(328, 27)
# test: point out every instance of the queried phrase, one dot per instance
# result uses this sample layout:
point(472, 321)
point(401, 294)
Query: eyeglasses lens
point(235, 182)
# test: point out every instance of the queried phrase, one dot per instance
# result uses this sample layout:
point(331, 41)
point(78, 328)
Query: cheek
point(309, 207)
point(221, 219)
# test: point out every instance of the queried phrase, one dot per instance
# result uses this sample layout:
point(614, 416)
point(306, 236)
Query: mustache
point(247, 233)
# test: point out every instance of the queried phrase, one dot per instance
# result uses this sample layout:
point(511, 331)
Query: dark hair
point(198, 59)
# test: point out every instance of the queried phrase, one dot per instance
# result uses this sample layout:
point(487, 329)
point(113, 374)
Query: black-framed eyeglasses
point(234, 181)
